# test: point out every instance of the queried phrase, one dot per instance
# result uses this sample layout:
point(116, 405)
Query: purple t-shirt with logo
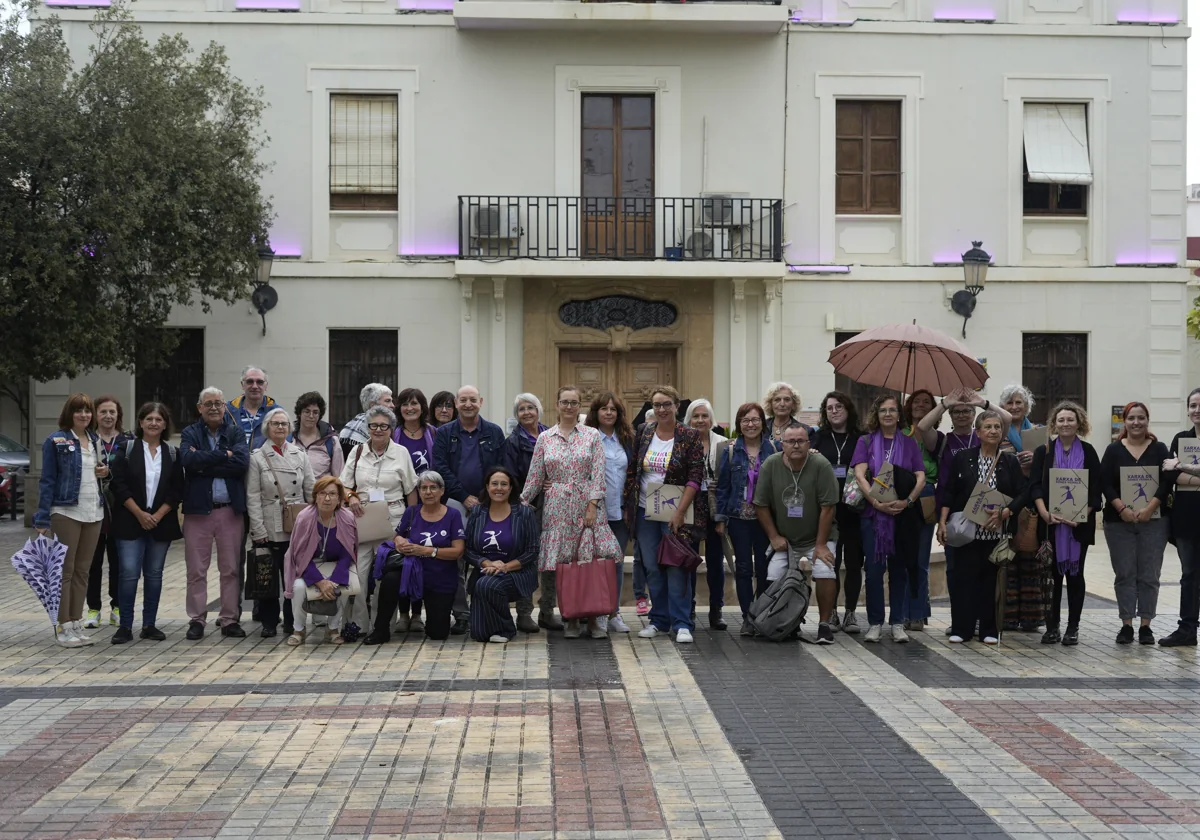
point(418, 450)
point(497, 539)
point(440, 575)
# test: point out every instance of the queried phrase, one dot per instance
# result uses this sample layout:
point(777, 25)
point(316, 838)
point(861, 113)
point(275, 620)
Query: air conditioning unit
point(724, 209)
point(706, 243)
point(495, 221)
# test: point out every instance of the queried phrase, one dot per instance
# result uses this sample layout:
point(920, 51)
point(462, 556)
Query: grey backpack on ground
point(779, 612)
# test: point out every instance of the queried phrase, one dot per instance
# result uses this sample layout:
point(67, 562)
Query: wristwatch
point(911, 502)
point(434, 554)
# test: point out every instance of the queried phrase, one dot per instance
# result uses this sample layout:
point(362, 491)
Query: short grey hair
point(988, 414)
point(382, 411)
point(1016, 389)
point(702, 402)
point(249, 368)
point(372, 394)
point(276, 410)
point(211, 389)
point(431, 477)
point(529, 398)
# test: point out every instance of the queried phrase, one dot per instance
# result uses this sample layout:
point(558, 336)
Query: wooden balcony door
point(616, 212)
point(632, 375)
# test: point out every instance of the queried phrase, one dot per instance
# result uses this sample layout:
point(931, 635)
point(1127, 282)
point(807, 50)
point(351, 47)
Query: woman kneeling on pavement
point(973, 598)
point(429, 534)
point(502, 551)
point(320, 558)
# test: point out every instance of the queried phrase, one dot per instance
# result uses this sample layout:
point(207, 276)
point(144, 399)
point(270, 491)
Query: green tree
point(129, 185)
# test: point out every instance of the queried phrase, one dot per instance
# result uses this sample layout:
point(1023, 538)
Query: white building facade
point(474, 193)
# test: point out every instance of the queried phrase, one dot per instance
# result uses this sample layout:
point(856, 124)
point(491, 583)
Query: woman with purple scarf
point(1070, 540)
point(890, 530)
point(738, 463)
point(424, 565)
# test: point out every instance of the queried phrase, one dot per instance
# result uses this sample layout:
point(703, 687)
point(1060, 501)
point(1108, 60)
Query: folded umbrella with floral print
point(907, 357)
point(40, 562)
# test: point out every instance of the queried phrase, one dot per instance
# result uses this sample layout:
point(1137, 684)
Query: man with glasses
point(215, 457)
point(796, 502)
point(247, 411)
point(463, 450)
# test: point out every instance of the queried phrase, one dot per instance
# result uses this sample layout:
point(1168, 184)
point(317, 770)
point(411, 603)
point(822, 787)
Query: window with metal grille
point(175, 383)
point(1054, 368)
point(356, 358)
point(364, 132)
point(868, 157)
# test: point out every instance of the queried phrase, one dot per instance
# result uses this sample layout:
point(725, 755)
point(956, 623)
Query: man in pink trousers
point(215, 458)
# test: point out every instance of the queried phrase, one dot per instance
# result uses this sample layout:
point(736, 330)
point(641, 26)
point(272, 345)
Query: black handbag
point(262, 576)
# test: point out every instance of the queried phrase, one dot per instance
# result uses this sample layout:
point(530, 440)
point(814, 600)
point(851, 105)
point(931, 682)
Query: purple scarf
point(885, 524)
point(1066, 547)
point(752, 473)
point(412, 579)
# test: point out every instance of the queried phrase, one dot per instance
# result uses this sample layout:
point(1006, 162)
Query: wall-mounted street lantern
point(975, 268)
point(264, 297)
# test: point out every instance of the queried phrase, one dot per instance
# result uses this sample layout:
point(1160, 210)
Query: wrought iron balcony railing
point(711, 227)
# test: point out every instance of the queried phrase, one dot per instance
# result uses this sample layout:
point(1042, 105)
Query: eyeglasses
point(662, 406)
point(279, 424)
point(328, 494)
point(569, 403)
point(752, 421)
point(889, 411)
point(254, 382)
point(379, 427)
point(314, 411)
point(795, 443)
point(212, 404)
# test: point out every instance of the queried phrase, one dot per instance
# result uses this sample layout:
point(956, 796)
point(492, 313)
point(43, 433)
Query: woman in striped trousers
point(502, 552)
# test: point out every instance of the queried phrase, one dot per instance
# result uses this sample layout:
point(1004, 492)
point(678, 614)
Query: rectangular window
point(868, 157)
point(1054, 368)
point(364, 132)
point(175, 383)
point(357, 357)
point(1058, 166)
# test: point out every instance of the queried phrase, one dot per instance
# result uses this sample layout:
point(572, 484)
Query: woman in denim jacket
point(71, 507)
point(735, 513)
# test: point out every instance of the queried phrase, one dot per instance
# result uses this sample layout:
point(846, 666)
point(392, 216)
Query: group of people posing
point(421, 516)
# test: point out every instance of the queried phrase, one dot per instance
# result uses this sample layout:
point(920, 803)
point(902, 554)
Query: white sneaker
point(683, 636)
point(64, 637)
point(956, 640)
point(874, 633)
point(617, 624)
point(648, 632)
point(850, 624)
point(898, 634)
point(990, 640)
point(498, 639)
point(600, 628)
point(77, 629)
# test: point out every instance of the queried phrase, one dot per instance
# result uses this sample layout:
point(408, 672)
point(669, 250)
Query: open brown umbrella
point(906, 358)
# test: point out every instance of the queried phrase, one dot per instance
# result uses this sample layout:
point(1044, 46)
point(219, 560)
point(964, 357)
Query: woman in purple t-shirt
point(414, 432)
point(430, 534)
point(890, 530)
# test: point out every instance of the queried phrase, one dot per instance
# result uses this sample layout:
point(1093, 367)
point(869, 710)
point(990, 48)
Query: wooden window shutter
point(868, 157)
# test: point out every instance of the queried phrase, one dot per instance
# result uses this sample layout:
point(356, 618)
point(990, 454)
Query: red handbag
point(587, 587)
point(676, 551)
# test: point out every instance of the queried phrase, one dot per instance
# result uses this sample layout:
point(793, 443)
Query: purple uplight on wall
point(1147, 19)
point(425, 5)
point(91, 4)
point(966, 16)
point(819, 269)
point(268, 5)
point(1147, 260)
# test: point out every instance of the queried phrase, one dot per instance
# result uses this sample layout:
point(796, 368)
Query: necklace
point(969, 442)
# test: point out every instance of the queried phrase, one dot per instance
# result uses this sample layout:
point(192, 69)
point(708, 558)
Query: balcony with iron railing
point(708, 228)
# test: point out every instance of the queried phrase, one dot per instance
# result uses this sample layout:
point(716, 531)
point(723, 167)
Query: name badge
point(795, 511)
point(375, 496)
point(840, 472)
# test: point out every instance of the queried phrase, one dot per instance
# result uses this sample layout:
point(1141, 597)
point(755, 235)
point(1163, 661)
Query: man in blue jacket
point(248, 410)
point(215, 457)
point(462, 452)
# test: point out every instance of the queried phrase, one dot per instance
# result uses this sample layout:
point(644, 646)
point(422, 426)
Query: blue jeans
point(897, 581)
point(621, 532)
point(750, 546)
point(918, 604)
point(138, 558)
point(670, 586)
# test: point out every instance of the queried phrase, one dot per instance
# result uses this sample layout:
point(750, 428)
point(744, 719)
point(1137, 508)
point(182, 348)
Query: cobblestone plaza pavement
point(618, 738)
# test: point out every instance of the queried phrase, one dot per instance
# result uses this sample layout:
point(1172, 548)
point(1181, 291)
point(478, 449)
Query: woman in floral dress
point(568, 466)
